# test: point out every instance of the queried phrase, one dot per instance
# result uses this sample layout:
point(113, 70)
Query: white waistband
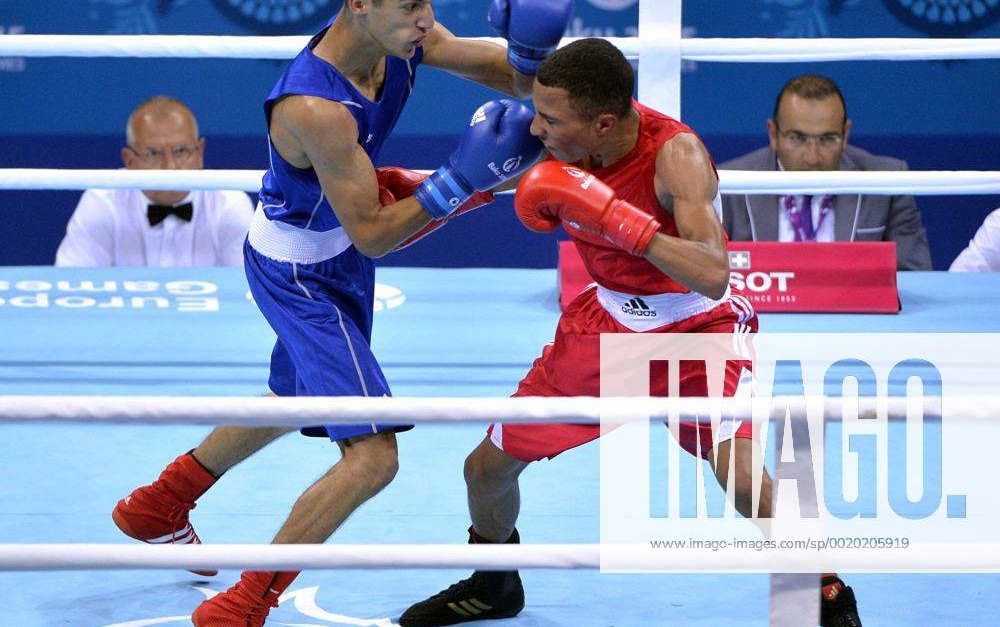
point(284, 242)
point(643, 313)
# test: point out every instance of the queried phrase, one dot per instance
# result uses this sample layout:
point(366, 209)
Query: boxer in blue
point(318, 224)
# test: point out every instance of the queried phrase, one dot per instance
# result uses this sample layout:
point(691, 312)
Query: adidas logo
point(470, 607)
point(638, 307)
point(478, 116)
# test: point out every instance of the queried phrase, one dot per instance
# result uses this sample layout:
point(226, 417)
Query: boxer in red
point(638, 193)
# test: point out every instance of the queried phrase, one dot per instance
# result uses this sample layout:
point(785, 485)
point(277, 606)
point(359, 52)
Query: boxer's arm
point(480, 61)
point(323, 129)
point(696, 259)
point(433, 225)
point(396, 183)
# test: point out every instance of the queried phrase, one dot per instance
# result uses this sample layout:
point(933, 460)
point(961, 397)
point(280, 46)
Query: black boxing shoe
point(483, 596)
point(842, 609)
point(486, 595)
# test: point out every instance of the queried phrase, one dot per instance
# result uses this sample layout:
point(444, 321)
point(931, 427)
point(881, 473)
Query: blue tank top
point(293, 195)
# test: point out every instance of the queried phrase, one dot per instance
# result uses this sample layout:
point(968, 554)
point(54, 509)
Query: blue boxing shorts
point(322, 315)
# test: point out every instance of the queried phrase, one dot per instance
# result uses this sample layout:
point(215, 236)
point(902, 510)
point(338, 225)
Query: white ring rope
point(54, 178)
point(916, 182)
point(162, 46)
point(294, 556)
point(761, 50)
point(197, 46)
point(920, 557)
point(733, 50)
point(307, 410)
point(303, 410)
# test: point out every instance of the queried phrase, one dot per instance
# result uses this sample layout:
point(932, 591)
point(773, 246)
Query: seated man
point(809, 132)
point(983, 251)
point(129, 227)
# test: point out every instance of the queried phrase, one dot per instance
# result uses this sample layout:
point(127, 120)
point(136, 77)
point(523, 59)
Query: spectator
point(983, 252)
point(129, 227)
point(809, 132)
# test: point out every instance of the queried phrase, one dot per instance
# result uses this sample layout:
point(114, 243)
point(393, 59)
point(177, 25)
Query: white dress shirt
point(983, 252)
point(109, 228)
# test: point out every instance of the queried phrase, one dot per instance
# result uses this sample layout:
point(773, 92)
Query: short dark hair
point(596, 74)
point(810, 87)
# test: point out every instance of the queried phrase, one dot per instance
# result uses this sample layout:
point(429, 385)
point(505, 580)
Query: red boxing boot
point(158, 513)
point(247, 603)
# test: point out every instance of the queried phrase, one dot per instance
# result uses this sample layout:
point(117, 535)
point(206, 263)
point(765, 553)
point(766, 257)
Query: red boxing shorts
point(570, 366)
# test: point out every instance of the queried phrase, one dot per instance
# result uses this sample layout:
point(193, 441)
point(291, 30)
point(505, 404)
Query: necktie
point(802, 220)
point(159, 213)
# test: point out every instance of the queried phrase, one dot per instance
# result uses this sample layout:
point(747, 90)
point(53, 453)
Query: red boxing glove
point(395, 184)
point(385, 197)
point(399, 182)
point(553, 192)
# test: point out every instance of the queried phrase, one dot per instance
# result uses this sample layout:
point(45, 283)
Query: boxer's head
point(397, 26)
point(581, 94)
point(162, 134)
point(810, 125)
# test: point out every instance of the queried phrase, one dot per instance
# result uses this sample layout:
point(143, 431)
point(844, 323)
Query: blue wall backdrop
point(65, 112)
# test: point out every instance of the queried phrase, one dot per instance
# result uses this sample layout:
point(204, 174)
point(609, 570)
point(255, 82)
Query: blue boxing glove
point(497, 146)
point(532, 29)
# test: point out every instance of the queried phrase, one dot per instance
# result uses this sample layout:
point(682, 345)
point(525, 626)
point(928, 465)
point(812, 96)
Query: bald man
point(129, 227)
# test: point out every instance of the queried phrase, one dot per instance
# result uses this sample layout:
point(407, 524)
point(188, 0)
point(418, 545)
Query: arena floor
point(445, 333)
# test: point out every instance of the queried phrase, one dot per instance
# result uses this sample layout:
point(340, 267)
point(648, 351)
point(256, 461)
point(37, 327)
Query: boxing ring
point(70, 474)
point(66, 475)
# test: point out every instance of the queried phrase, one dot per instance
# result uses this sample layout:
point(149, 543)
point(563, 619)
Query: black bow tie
point(159, 213)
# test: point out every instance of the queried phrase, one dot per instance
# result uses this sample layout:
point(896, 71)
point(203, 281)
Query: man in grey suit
point(809, 132)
